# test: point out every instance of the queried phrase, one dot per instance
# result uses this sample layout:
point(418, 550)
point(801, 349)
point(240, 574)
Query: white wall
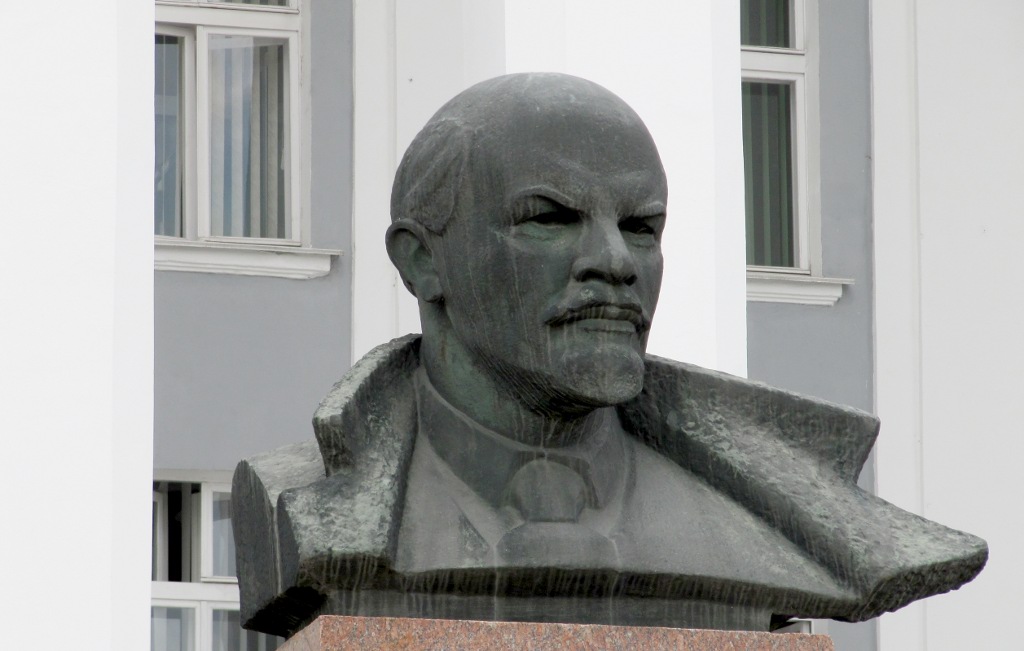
point(76, 283)
point(949, 224)
point(676, 63)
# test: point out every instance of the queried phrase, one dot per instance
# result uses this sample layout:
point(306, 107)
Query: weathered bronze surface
point(524, 459)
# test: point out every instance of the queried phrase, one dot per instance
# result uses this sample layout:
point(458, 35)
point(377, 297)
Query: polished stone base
point(335, 633)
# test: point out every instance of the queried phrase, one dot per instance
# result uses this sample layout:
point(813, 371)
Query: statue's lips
point(605, 316)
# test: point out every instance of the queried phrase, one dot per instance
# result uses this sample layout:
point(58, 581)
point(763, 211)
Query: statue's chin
point(602, 377)
point(574, 382)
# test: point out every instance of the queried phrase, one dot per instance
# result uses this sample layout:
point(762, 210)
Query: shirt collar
point(486, 460)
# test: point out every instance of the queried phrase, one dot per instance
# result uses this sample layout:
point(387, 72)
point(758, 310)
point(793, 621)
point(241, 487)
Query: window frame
point(204, 130)
point(198, 250)
point(803, 283)
point(187, 132)
point(201, 591)
point(206, 574)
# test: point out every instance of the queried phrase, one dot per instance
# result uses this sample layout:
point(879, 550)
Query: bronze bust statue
point(524, 459)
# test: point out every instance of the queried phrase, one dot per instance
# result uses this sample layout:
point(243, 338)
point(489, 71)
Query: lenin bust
point(524, 459)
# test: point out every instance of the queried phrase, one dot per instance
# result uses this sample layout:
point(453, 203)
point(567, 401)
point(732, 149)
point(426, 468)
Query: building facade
point(869, 264)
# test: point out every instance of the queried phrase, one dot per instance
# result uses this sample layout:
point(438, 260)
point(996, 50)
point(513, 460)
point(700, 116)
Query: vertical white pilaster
point(730, 224)
point(410, 58)
point(898, 461)
point(948, 227)
point(76, 289)
point(678, 65)
point(375, 283)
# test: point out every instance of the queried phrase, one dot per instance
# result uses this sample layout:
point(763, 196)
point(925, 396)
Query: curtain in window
point(172, 629)
point(167, 173)
point(248, 137)
point(768, 173)
point(223, 536)
point(765, 23)
point(229, 636)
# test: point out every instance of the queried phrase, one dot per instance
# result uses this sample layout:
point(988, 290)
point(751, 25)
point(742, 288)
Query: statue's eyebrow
point(649, 209)
point(543, 191)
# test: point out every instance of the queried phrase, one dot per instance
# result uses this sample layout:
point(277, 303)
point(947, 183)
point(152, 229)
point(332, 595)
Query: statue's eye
point(556, 216)
point(637, 226)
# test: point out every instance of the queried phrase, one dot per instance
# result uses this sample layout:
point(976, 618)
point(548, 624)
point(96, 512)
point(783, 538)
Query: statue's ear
point(409, 251)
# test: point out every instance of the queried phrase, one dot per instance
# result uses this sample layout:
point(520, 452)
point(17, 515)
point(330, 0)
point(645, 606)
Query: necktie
point(550, 497)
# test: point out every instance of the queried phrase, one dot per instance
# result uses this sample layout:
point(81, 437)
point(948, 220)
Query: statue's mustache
point(594, 309)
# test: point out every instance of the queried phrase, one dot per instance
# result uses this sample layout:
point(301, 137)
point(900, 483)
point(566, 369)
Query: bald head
point(456, 154)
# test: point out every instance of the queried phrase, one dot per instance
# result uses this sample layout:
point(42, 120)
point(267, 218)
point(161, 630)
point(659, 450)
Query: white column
point(676, 63)
point(410, 58)
point(376, 288)
point(443, 47)
point(948, 229)
point(897, 288)
point(729, 210)
point(76, 290)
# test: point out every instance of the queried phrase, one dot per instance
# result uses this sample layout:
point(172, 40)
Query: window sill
point(175, 590)
point(794, 288)
point(243, 259)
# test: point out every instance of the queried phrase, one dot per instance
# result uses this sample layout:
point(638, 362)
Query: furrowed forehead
point(576, 152)
point(512, 129)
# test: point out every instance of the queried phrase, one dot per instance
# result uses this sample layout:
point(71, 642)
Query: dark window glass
point(765, 23)
point(768, 172)
point(167, 179)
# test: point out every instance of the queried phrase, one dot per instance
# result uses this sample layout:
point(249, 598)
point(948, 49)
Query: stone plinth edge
point(336, 633)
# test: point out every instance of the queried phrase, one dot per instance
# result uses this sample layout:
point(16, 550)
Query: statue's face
point(551, 275)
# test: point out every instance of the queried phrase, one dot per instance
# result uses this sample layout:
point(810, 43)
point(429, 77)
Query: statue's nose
point(604, 255)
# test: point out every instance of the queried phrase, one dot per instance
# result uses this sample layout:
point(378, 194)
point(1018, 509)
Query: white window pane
point(228, 634)
point(227, 631)
point(249, 137)
point(223, 537)
point(167, 101)
point(173, 629)
point(260, 642)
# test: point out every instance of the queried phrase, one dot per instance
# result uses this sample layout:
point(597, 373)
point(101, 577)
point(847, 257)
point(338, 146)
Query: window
point(217, 539)
point(195, 592)
point(780, 153)
point(230, 91)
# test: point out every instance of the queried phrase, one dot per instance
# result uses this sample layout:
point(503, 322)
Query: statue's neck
point(470, 387)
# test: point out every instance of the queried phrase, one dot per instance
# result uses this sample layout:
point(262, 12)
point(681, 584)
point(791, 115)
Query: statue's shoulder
point(678, 397)
point(793, 461)
point(313, 509)
point(369, 405)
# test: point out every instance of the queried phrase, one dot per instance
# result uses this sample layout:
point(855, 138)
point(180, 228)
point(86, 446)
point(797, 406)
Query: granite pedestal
point(336, 633)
